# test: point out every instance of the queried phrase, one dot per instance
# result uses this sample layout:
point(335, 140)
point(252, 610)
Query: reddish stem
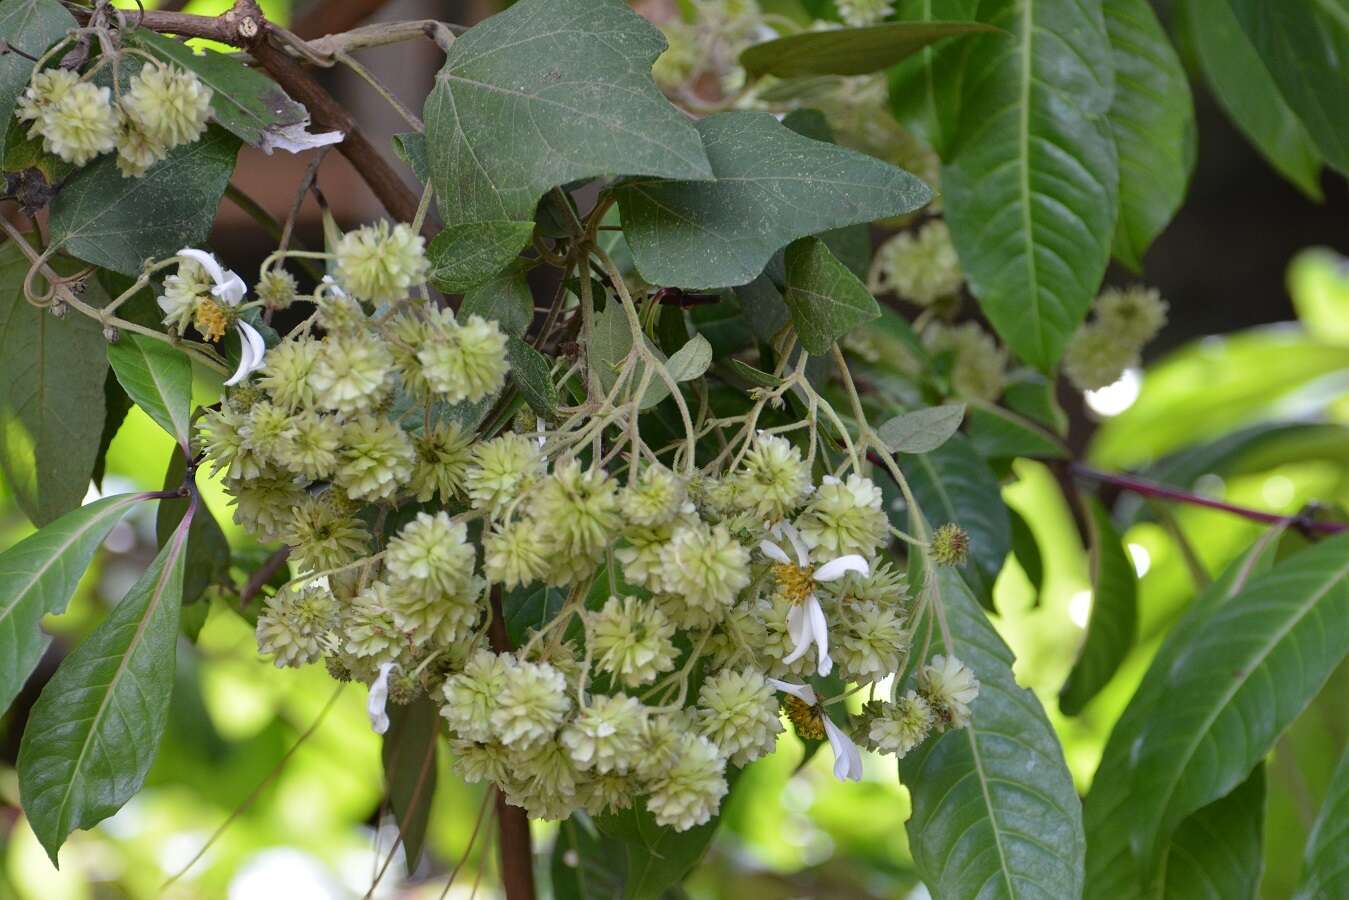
point(517, 856)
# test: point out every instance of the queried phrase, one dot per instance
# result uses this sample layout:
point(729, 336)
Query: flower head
point(168, 105)
point(774, 480)
point(949, 687)
point(706, 567)
point(531, 705)
point(471, 696)
point(921, 265)
point(464, 362)
point(631, 640)
point(844, 517)
point(950, 545)
point(606, 735)
point(847, 758)
point(77, 121)
point(902, 726)
point(380, 264)
point(738, 712)
point(688, 791)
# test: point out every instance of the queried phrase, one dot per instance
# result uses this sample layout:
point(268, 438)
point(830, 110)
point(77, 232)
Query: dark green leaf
point(610, 344)
point(549, 92)
point(1152, 117)
point(409, 757)
point(1031, 184)
point(998, 434)
point(825, 299)
point(585, 863)
point(38, 575)
point(465, 256)
point(1306, 47)
point(995, 813)
point(411, 149)
point(51, 395)
point(533, 375)
point(116, 404)
point(1215, 854)
point(208, 551)
point(1113, 625)
point(953, 484)
point(528, 609)
point(1325, 867)
point(505, 298)
point(925, 88)
point(922, 430)
point(772, 186)
point(848, 51)
point(119, 223)
point(96, 727)
point(244, 101)
point(1032, 395)
point(30, 26)
point(753, 375)
point(159, 379)
point(1243, 86)
point(1027, 551)
point(1210, 708)
point(658, 858)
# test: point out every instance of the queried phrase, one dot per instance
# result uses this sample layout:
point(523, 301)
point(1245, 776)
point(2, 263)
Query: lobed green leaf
point(465, 256)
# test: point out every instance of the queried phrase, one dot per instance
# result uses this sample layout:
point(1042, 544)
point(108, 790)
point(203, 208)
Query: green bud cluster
point(1102, 349)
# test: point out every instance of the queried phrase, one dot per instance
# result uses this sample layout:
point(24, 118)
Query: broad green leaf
point(825, 299)
point(119, 223)
point(545, 93)
point(691, 360)
point(999, 434)
point(244, 101)
point(409, 757)
point(1213, 703)
point(1245, 89)
point(38, 576)
point(953, 484)
point(995, 813)
point(465, 256)
point(772, 186)
point(533, 375)
point(1215, 854)
point(30, 26)
point(1306, 47)
point(159, 379)
point(51, 395)
point(848, 51)
point(585, 863)
point(1318, 282)
point(1152, 117)
point(1113, 625)
point(1325, 867)
point(657, 858)
point(95, 729)
point(208, 551)
point(1031, 183)
point(925, 88)
point(505, 298)
point(922, 430)
point(1214, 386)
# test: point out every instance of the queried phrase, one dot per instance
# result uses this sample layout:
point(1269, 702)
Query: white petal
point(802, 551)
point(799, 629)
point(820, 631)
point(769, 549)
point(252, 348)
point(847, 758)
point(295, 139)
point(378, 698)
point(231, 289)
point(800, 691)
point(837, 568)
point(207, 261)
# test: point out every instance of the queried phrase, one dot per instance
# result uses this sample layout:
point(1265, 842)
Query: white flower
point(806, 624)
point(379, 696)
point(229, 289)
point(847, 758)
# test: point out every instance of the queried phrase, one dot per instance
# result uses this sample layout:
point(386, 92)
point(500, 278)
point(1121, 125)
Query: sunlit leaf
point(1325, 868)
point(158, 378)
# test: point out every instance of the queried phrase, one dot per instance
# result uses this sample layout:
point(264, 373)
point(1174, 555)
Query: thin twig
point(262, 575)
point(1157, 491)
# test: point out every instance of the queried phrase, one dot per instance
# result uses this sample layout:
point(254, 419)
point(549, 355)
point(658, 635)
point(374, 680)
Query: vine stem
point(1155, 491)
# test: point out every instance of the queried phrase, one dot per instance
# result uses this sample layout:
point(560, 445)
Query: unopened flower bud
point(950, 545)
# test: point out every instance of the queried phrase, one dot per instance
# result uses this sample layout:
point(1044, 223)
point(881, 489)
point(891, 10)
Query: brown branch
point(262, 575)
point(517, 857)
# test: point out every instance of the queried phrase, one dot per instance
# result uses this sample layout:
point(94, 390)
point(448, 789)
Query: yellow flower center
point(808, 720)
point(211, 319)
point(796, 582)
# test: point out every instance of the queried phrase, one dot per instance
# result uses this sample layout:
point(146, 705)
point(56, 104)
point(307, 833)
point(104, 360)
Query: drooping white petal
point(252, 348)
point(379, 698)
point(207, 262)
point(819, 630)
point(788, 530)
point(774, 552)
point(837, 568)
point(802, 692)
point(799, 630)
point(230, 290)
point(847, 758)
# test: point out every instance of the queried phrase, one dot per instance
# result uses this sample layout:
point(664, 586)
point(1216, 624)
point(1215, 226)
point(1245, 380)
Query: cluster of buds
point(162, 107)
point(1102, 349)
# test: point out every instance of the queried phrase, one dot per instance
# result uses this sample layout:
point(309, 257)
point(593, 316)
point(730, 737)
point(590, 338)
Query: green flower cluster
point(1101, 350)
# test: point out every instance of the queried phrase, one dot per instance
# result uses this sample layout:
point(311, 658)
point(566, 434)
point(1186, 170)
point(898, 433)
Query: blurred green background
point(1255, 416)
